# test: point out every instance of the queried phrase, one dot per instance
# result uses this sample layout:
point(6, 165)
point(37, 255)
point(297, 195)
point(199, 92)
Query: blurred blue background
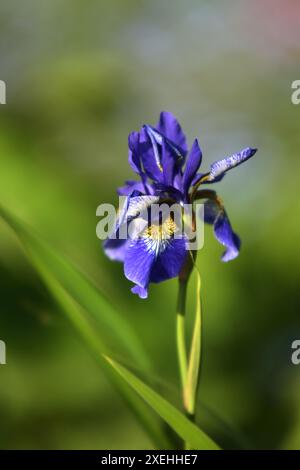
point(80, 76)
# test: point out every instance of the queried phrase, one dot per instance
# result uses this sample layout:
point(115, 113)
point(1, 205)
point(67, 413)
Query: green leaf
point(192, 380)
point(114, 327)
point(75, 302)
point(187, 430)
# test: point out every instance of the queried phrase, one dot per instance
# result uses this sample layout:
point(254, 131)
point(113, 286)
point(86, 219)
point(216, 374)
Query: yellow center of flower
point(157, 236)
point(161, 231)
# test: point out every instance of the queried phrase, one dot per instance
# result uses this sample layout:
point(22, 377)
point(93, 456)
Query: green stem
point(189, 366)
point(194, 362)
point(181, 345)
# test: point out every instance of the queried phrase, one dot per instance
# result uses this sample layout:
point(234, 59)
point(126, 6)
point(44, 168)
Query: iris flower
point(167, 171)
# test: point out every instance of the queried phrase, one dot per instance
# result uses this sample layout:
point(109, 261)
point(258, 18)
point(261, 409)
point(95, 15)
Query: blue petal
point(157, 139)
point(150, 156)
point(170, 261)
point(138, 263)
point(168, 163)
point(114, 246)
point(167, 157)
point(133, 152)
point(138, 206)
point(216, 215)
point(177, 183)
point(134, 206)
point(115, 249)
point(225, 235)
point(219, 168)
point(170, 128)
point(142, 292)
point(153, 260)
point(130, 186)
point(192, 166)
point(168, 191)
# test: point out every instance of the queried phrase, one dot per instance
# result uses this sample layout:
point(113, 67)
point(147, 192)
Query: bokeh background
point(80, 76)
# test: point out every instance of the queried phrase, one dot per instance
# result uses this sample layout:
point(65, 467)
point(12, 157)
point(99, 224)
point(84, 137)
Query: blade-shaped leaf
point(187, 430)
point(112, 325)
point(52, 272)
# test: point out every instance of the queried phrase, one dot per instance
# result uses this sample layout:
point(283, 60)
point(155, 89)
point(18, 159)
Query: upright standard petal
point(158, 140)
point(170, 128)
point(168, 162)
point(192, 166)
point(166, 155)
point(134, 157)
point(219, 168)
point(150, 156)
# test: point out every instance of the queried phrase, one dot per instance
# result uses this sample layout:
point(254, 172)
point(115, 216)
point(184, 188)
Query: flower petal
point(114, 246)
point(225, 235)
point(115, 249)
point(135, 206)
point(131, 186)
point(157, 138)
point(139, 205)
point(192, 166)
point(167, 191)
point(138, 263)
point(220, 167)
point(142, 292)
point(168, 163)
point(170, 261)
point(154, 256)
point(134, 158)
point(170, 128)
point(215, 214)
point(168, 158)
point(197, 178)
point(150, 156)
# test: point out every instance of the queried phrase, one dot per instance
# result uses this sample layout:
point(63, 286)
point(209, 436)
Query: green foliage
point(77, 84)
point(81, 302)
point(187, 430)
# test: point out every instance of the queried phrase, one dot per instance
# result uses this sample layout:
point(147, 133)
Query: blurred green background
point(80, 76)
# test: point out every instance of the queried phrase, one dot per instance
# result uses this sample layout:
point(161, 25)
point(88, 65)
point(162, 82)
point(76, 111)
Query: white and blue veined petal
point(154, 255)
point(220, 167)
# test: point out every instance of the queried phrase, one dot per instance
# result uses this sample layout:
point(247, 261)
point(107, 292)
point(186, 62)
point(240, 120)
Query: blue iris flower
point(167, 171)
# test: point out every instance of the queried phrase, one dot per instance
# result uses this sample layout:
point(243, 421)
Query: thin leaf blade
point(37, 251)
point(110, 322)
point(187, 430)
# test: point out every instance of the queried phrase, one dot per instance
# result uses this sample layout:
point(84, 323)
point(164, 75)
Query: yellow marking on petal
point(161, 231)
point(157, 236)
point(160, 166)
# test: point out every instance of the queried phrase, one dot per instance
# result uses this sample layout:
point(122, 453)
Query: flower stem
point(189, 366)
point(181, 345)
point(194, 361)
